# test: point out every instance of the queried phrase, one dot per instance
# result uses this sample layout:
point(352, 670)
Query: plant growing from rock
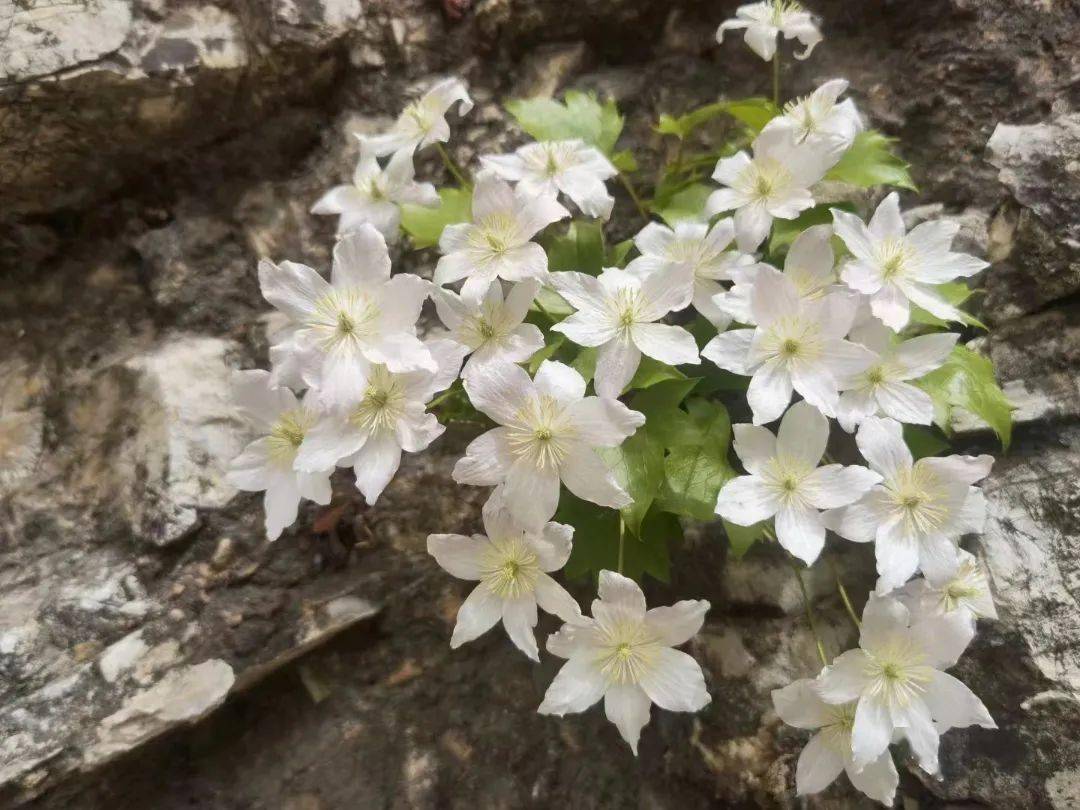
point(607, 371)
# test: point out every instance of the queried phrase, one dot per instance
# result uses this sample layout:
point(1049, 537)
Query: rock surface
point(151, 152)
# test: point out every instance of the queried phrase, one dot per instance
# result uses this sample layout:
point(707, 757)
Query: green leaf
point(546, 353)
point(870, 161)
point(596, 541)
point(967, 381)
point(656, 400)
point(580, 249)
point(650, 372)
point(625, 161)
point(923, 442)
point(617, 253)
point(579, 115)
point(638, 466)
point(686, 204)
point(696, 466)
point(549, 301)
point(585, 363)
point(741, 538)
point(956, 293)
point(425, 225)
point(754, 112)
point(785, 231)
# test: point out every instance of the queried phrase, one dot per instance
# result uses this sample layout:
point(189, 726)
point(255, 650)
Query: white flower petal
point(730, 350)
point(586, 475)
point(887, 222)
point(281, 502)
point(746, 500)
point(531, 493)
point(803, 434)
point(925, 353)
point(872, 731)
point(585, 328)
point(576, 687)
point(800, 706)
point(835, 485)
point(845, 679)
point(553, 598)
point(375, 465)
point(478, 613)
point(755, 447)
point(560, 382)
point(769, 392)
point(668, 344)
point(674, 681)
point(818, 766)
point(953, 705)
point(499, 390)
point(877, 779)
point(486, 461)
point(881, 442)
point(328, 441)
point(678, 623)
point(627, 706)
point(800, 531)
point(458, 555)
point(621, 592)
point(616, 363)
point(519, 618)
point(905, 403)
point(360, 259)
point(603, 422)
point(293, 288)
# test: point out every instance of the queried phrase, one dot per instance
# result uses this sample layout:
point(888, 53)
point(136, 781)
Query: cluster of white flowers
point(827, 331)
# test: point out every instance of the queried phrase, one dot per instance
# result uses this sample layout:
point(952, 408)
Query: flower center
point(894, 256)
point(898, 671)
point(626, 653)
point(382, 404)
point(509, 567)
point(496, 233)
point(875, 376)
point(782, 8)
point(541, 433)
point(485, 330)
point(764, 179)
point(416, 113)
point(287, 435)
point(627, 307)
point(915, 493)
point(343, 316)
point(789, 348)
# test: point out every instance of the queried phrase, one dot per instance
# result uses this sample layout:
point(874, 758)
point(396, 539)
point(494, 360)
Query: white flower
point(896, 268)
point(617, 311)
point(919, 509)
point(376, 194)
point(809, 265)
point(829, 751)
point(492, 329)
point(423, 122)
point(774, 183)
point(895, 676)
point(820, 117)
point(513, 567)
point(765, 21)
point(959, 589)
point(267, 463)
point(883, 388)
point(548, 431)
point(624, 655)
point(496, 243)
point(798, 344)
point(390, 417)
point(785, 481)
point(701, 247)
point(548, 167)
point(338, 329)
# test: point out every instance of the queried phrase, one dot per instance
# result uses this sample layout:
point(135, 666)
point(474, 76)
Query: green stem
point(622, 536)
point(441, 398)
point(451, 166)
point(844, 597)
point(809, 612)
point(634, 196)
point(776, 76)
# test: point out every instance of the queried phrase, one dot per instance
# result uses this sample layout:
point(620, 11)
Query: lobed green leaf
point(425, 225)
